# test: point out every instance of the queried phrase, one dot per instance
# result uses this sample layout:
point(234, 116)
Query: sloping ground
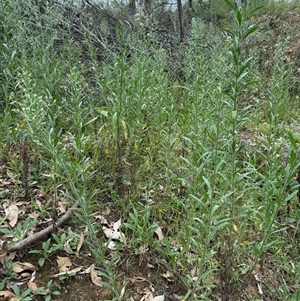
point(280, 31)
point(142, 275)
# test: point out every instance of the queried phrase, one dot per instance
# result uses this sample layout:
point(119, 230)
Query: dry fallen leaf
point(147, 297)
point(32, 285)
point(194, 273)
point(144, 249)
point(169, 276)
point(74, 272)
point(111, 246)
point(38, 203)
point(19, 267)
point(103, 220)
point(10, 256)
point(117, 225)
point(12, 212)
point(3, 251)
point(61, 207)
point(88, 270)
point(63, 263)
point(7, 296)
point(159, 233)
point(80, 242)
point(21, 203)
point(110, 233)
point(24, 276)
point(33, 215)
point(122, 293)
point(114, 233)
point(3, 183)
point(95, 278)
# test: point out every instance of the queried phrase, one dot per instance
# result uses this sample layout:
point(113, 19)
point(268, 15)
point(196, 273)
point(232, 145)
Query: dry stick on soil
point(29, 240)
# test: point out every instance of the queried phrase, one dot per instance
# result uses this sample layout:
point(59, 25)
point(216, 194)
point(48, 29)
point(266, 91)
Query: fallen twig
point(29, 240)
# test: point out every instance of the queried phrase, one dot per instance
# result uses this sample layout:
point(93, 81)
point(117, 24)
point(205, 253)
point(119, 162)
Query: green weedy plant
point(21, 230)
point(278, 194)
point(62, 240)
point(48, 292)
point(77, 175)
point(10, 274)
point(8, 52)
point(142, 229)
point(22, 296)
point(111, 280)
point(217, 213)
point(43, 209)
point(45, 252)
point(74, 134)
point(28, 295)
point(48, 247)
point(275, 183)
point(50, 113)
point(65, 154)
point(239, 178)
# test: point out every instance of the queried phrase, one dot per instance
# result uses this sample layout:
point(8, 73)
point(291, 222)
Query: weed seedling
point(45, 251)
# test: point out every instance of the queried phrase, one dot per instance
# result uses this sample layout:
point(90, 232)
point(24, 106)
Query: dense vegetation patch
point(170, 162)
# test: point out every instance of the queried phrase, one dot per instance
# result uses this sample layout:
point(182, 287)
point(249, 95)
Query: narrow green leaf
point(239, 17)
point(249, 31)
point(245, 65)
point(207, 184)
point(292, 139)
point(231, 33)
point(248, 84)
point(103, 112)
point(16, 290)
point(13, 55)
point(214, 209)
point(199, 221)
point(215, 229)
point(231, 5)
point(241, 76)
point(2, 285)
point(34, 252)
point(234, 114)
point(91, 121)
point(254, 10)
point(48, 298)
point(242, 146)
point(41, 261)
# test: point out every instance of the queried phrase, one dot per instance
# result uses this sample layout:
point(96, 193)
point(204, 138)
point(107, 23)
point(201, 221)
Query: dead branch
point(39, 235)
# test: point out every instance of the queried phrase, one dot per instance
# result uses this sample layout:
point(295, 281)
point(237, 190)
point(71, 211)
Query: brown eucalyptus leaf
point(12, 212)
point(95, 278)
point(74, 272)
point(63, 263)
point(32, 285)
point(80, 242)
point(19, 267)
point(7, 296)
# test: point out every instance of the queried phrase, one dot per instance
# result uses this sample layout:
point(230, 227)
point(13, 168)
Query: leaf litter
point(34, 277)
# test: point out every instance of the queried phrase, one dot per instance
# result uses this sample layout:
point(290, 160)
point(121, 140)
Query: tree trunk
point(147, 7)
point(132, 7)
point(181, 33)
